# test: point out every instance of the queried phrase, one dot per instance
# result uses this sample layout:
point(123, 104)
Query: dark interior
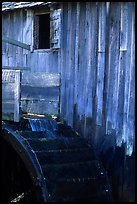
point(15, 179)
point(44, 31)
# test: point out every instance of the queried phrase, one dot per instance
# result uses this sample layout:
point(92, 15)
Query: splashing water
point(43, 124)
point(47, 125)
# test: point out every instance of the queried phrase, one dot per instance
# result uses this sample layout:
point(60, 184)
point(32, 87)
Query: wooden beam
point(15, 68)
point(17, 96)
point(38, 79)
point(16, 43)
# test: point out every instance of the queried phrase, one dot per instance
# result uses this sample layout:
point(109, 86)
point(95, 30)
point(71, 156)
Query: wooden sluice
point(60, 164)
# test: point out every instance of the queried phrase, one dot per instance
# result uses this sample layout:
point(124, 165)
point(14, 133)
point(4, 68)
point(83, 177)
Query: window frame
point(52, 46)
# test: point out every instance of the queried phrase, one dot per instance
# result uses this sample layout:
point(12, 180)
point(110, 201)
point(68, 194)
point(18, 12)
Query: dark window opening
point(42, 31)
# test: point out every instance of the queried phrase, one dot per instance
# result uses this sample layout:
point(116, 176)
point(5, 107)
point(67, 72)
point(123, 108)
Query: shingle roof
point(18, 5)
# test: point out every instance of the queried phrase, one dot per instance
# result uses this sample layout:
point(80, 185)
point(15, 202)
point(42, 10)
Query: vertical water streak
point(43, 124)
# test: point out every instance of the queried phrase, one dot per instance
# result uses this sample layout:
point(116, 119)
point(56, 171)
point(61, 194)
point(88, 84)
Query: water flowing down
point(49, 126)
point(43, 124)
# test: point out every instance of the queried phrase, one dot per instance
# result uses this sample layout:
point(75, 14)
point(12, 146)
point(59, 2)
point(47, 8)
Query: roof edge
point(9, 6)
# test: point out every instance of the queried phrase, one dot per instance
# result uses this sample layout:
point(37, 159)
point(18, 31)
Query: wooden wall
point(96, 61)
point(97, 70)
point(18, 25)
point(98, 84)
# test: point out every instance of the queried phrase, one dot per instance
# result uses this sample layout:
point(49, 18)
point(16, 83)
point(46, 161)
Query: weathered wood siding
point(40, 93)
point(35, 93)
point(18, 25)
point(96, 61)
point(97, 65)
point(97, 71)
point(98, 84)
point(11, 95)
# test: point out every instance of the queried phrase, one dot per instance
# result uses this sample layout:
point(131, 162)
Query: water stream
point(50, 126)
point(43, 124)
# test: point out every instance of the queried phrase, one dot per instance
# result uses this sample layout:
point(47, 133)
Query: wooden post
point(17, 96)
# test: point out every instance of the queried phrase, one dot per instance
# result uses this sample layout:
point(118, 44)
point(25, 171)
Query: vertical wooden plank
point(21, 36)
point(26, 53)
point(28, 29)
point(24, 30)
point(106, 71)
point(43, 61)
point(16, 37)
point(14, 34)
point(27, 57)
point(3, 59)
point(10, 34)
point(76, 53)
point(4, 32)
point(11, 49)
point(67, 68)
point(63, 61)
point(7, 23)
point(55, 28)
point(94, 42)
point(125, 30)
point(92, 57)
point(56, 61)
point(17, 96)
point(34, 61)
point(101, 61)
point(124, 27)
point(123, 128)
point(120, 99)
point(70, 64)
point(87, 63)
point(82, 59)
point(129, 94)
point(88, 106)
point(113, 71)
point(71, 61)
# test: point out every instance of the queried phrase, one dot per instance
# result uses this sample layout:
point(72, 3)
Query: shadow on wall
point(121, 173)
point(119, 166)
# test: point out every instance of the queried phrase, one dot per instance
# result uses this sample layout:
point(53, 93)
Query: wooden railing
point(16, 43)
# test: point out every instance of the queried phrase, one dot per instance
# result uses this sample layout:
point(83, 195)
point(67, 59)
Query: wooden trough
point(24, 93)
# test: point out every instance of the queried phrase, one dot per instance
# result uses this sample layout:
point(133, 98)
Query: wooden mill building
point(91, 46)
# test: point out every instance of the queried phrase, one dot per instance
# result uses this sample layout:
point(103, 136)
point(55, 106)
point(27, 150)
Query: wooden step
point(79, 189)
point(66, 131)
point(56, 143)
point(85, 181)
point(69, 155)
point(38, 134)
point(73, 170)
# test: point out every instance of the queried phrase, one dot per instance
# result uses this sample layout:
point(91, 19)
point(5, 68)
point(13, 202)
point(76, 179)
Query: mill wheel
point(52, 164)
